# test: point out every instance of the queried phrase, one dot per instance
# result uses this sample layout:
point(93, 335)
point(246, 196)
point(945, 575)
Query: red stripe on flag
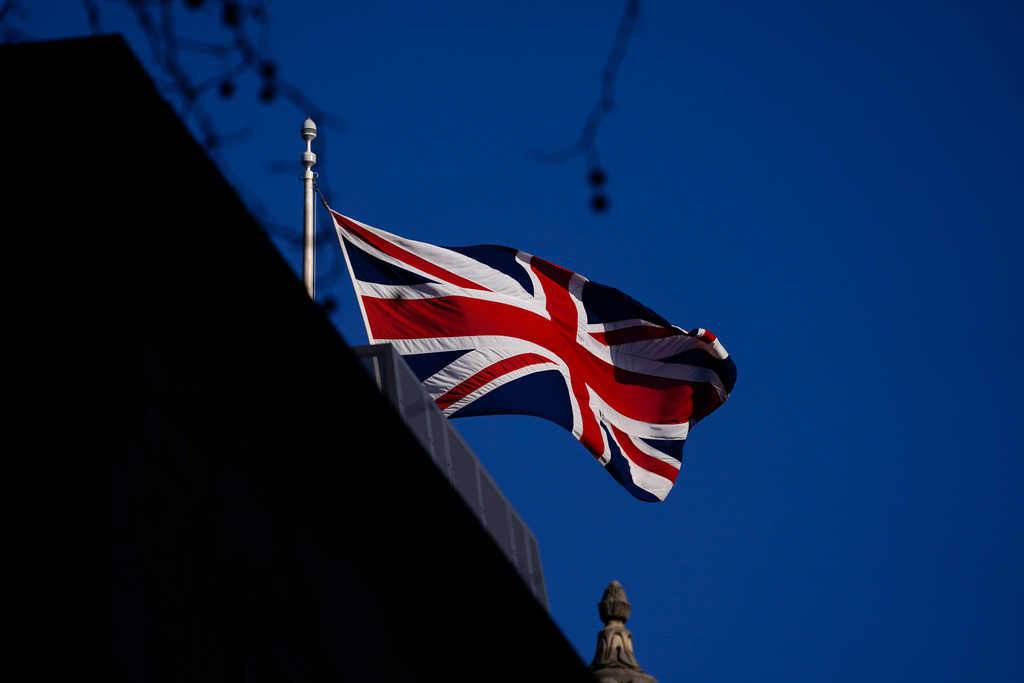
point(641, 459)
point(488, 374)
point(642, 397)
point(562, 330)
point(407, 257)
point(703, 335)
point(558, 302)
point(632, 334)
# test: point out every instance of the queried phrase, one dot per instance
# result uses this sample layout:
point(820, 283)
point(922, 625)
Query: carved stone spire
point(614, 661)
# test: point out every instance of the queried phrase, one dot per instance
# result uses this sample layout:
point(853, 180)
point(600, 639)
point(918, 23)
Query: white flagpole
point(308, 249)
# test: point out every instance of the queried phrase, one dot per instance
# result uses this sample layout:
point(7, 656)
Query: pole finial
point(308, 129)
point(308, 134)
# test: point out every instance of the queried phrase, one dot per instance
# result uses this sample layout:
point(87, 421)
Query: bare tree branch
point(586, 144)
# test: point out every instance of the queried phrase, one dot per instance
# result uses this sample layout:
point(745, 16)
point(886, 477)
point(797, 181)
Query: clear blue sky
point(836, 190)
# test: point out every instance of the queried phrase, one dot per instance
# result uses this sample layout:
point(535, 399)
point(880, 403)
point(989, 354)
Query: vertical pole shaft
point(308, 237)
point(308, 252)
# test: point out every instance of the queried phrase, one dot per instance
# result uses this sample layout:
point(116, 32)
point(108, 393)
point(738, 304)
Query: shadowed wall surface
point(216, 488)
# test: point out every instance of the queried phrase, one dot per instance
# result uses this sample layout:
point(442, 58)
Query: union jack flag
point(492, 330)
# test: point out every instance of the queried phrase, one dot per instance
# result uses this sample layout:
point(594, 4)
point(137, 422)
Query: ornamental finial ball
point(308, 129)
point(614, 605)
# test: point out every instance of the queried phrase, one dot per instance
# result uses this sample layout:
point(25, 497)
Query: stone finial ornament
point(614, 661)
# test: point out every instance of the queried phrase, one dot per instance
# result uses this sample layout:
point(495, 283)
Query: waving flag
point(492, 330)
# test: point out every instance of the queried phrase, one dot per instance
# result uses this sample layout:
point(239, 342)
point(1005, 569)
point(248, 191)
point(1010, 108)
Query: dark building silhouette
point(213, 488)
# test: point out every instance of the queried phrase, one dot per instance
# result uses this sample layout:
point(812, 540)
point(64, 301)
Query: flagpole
point(308, 250)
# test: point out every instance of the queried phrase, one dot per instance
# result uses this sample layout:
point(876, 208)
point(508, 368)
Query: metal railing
point(457, 461)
